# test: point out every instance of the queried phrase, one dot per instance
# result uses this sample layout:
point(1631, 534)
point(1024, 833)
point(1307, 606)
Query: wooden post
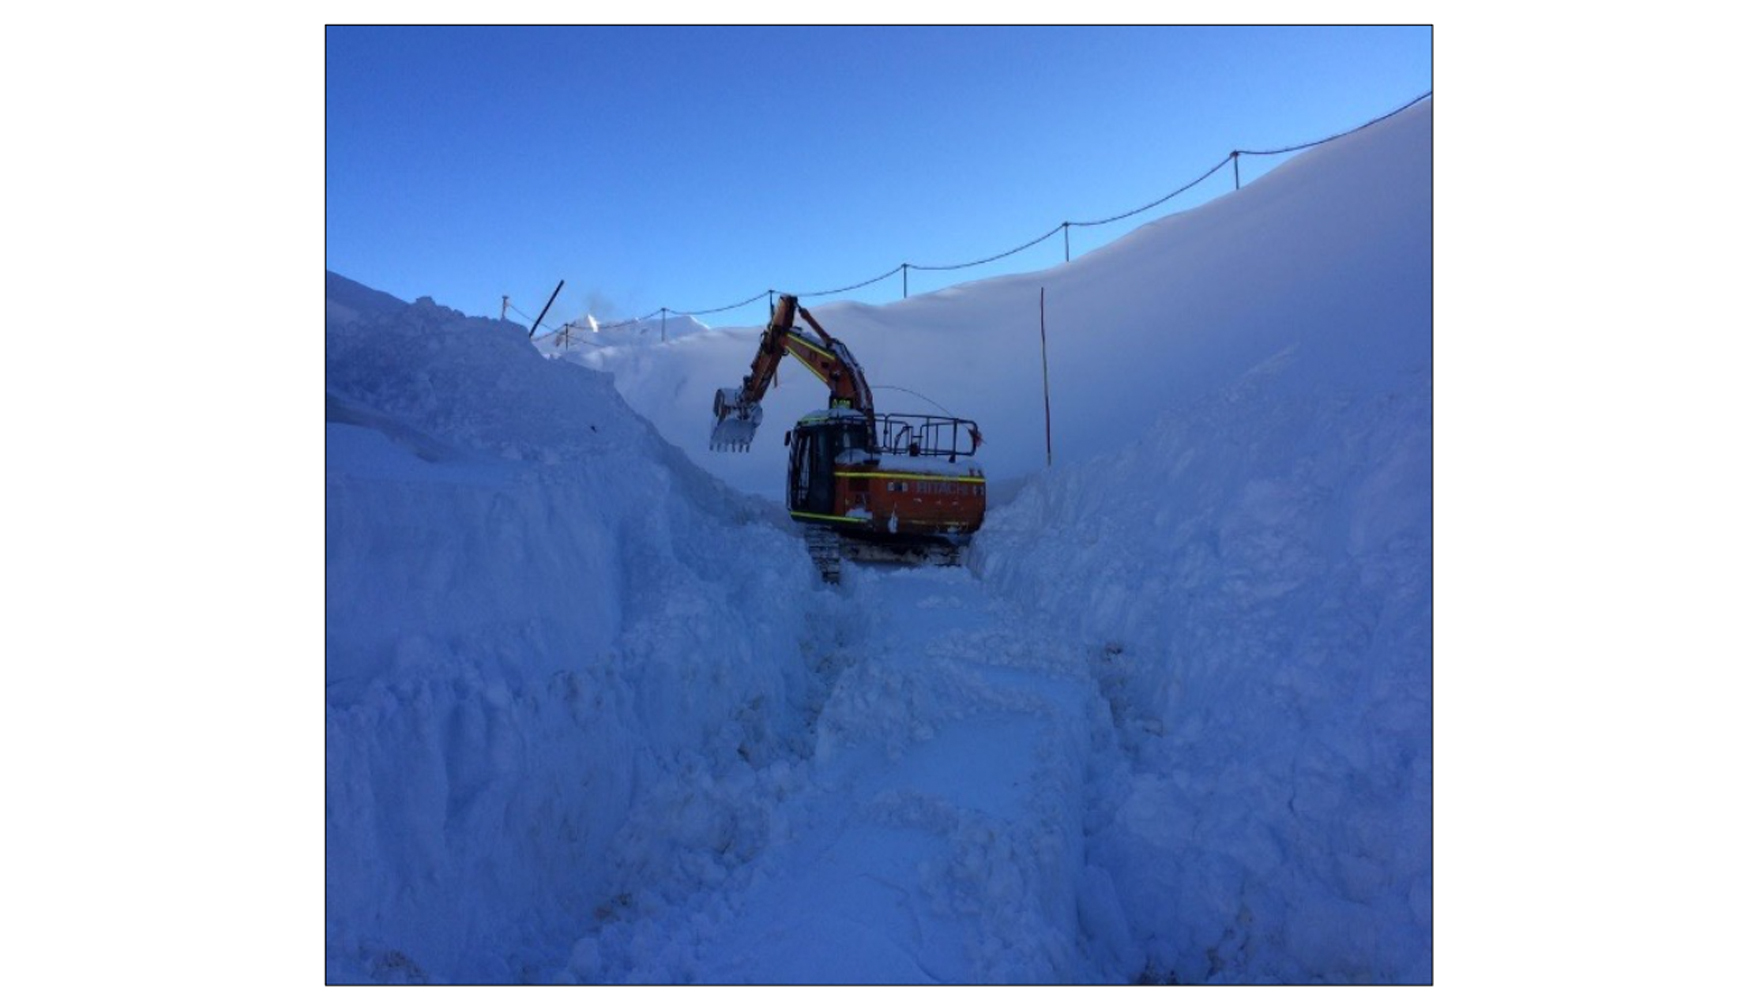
point(905, 281)
point(1236, 155)
point(1045, 370)
point(504, 308)
point(1065, 244)
point(665, 324)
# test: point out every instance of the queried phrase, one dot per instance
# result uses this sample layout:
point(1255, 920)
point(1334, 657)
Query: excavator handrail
point(926, 435)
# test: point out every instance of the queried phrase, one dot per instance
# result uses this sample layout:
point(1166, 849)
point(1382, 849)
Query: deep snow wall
point(1254, 579)
point(535, 612)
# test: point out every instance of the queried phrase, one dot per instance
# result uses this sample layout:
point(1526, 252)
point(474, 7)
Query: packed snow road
point(931, 833)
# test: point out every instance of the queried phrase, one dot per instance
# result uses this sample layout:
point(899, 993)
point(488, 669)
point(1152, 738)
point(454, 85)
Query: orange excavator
point(894, 487)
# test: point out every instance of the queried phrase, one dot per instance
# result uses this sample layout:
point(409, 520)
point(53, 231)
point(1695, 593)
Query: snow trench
point(590, 716)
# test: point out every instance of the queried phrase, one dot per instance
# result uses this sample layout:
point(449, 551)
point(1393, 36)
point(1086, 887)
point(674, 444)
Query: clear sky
point(696, 167)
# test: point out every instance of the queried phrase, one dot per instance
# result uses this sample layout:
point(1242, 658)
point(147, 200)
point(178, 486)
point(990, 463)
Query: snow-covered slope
point(1258, 565)
point(1257, 569)
point(1258, 575)
point(536, 612)
point(590, 717)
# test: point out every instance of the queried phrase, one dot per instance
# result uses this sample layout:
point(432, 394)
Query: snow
point(590, 716)
point(513, 654)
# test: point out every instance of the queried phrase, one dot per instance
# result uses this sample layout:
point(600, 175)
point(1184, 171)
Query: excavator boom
point(737, 408)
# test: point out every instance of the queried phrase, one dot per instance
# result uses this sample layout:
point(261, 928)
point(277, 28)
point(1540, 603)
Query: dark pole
point(1236, 155)
point(1045, 370)
point(905, 281)
point(1066, 243)
point(546, 307)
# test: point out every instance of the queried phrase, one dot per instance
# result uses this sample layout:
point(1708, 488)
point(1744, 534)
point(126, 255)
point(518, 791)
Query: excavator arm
point(737, 408)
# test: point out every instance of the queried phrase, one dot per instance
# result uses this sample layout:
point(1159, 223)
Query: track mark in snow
point(944, 797)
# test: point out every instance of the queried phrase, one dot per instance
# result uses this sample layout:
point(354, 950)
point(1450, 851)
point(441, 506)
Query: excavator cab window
point(815, 449)
point(812, 451)
point(852, 437)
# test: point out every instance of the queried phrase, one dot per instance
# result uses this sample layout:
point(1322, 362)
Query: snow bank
point(1258, 575)
point(536, 612)
point(1256, 571)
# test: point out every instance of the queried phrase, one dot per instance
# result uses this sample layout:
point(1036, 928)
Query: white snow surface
point(592, 718)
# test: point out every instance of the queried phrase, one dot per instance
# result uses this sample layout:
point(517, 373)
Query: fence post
point(1236, 158)
point(665, 324)
point(503, 308)
point(1066, 242)
point(905, 281)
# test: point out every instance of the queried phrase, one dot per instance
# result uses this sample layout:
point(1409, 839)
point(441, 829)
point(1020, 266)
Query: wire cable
point(1053, 231)
point(849, 288)
point(901, 388)
point(1339, 135)
point(706, 312)
point(1206, 175)
point(1062, 227)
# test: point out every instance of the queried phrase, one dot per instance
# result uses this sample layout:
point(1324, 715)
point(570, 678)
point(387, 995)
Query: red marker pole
point(1045, 370)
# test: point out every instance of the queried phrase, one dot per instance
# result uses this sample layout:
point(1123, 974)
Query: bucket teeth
point(733, 434)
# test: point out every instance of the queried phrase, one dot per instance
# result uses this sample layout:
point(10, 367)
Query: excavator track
point(915, 552)
point(823, 548)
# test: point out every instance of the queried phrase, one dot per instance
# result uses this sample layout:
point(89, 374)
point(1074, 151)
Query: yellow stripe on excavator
point(909, 475)
point(829, 517)
point(828, 418)
point(795, 340)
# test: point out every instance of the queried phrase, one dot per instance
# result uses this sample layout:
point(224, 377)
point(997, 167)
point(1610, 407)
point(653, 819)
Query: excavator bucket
point(736, 421)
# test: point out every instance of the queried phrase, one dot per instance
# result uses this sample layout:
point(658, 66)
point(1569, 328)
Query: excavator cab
point(820, 442)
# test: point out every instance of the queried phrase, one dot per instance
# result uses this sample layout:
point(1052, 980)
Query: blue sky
point(696, 167)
